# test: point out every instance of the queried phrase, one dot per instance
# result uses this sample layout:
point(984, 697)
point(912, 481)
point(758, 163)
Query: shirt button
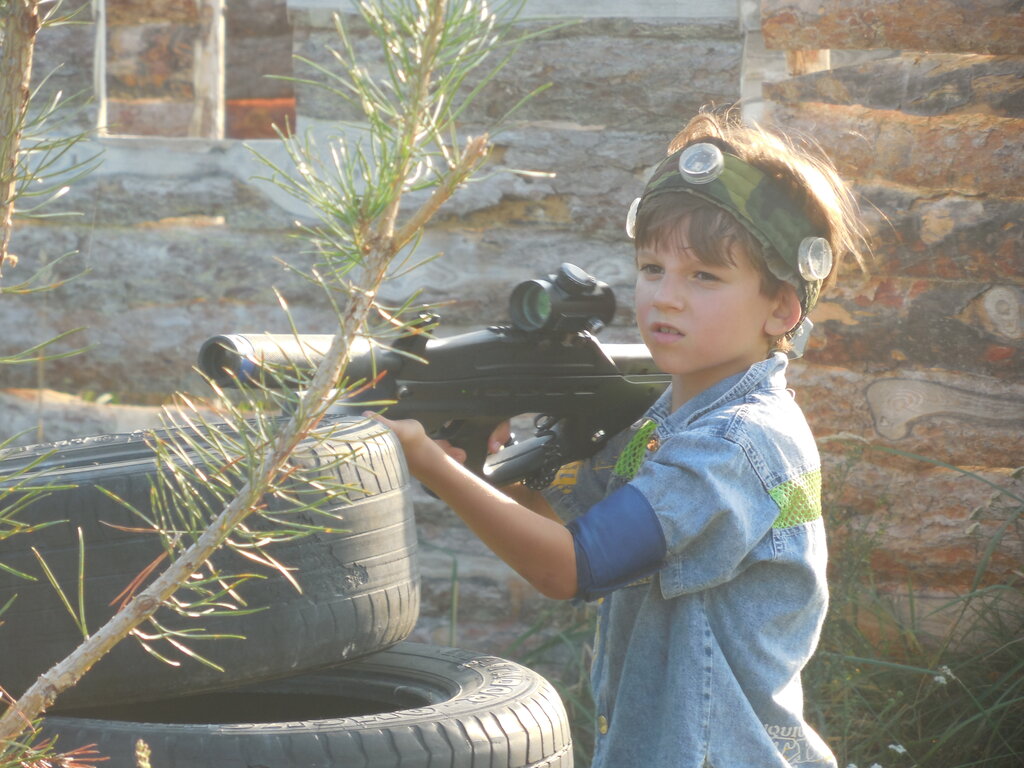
point(602, 724)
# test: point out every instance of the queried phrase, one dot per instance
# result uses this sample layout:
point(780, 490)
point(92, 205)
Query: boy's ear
point(785, 312)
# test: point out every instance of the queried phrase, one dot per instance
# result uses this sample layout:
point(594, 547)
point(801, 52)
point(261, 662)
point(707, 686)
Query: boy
point(705, 542)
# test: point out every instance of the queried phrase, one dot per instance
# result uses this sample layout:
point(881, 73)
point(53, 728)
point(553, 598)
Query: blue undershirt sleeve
point(618, 541)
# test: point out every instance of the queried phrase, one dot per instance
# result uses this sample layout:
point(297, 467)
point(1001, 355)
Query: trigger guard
point(447, 430)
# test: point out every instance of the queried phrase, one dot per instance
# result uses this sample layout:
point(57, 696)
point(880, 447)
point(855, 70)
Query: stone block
point(601, 73)
point(919, 234)
point(884, 324)
point(996, 26)
point(471, 283)
point(152, 61)
point(929, 525)
point(898, 615)
point(149, 299)
point(209, 196)
point(62, 63)
point(319, 13)
point(593, 173)
point(148, 117)
point(918, 84)
point(255, 18)
point(254, 64)
point(963, 420)
point(45, 415)
point(971, 154)
point(130, 12)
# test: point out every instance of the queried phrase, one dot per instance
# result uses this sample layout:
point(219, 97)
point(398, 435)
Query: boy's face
point(704, 322)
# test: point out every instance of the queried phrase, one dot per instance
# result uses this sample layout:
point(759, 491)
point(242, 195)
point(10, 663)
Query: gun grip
point(517, 462)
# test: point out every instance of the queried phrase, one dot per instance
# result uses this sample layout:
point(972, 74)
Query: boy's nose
point(668, 295)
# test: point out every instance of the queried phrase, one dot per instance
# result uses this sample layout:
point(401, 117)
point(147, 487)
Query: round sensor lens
point(814, 258)
point(701, 163)
point(530, 306)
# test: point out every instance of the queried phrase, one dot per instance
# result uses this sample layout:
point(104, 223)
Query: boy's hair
point(804, 176)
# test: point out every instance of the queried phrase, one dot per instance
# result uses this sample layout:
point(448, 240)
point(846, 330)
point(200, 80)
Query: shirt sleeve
point(712, 508)
point(618, 541)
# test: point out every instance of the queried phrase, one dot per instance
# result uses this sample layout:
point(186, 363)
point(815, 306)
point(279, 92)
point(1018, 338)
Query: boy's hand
point(420, 449)
point(540, 549)
point(412, 436)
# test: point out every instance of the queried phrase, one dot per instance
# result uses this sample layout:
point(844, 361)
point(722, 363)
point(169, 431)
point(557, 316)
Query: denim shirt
point(699, 664)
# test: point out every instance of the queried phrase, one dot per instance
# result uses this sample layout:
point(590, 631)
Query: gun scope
point(569, 300)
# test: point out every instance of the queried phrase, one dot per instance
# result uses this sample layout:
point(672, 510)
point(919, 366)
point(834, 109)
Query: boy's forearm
point(533, 543)
point(531, 499)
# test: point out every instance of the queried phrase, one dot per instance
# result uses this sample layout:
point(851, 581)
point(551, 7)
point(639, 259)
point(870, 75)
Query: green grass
point(884, 691)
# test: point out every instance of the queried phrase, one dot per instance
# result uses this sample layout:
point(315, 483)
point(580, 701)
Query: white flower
point(944, 676)
point(899, 749)
point(875, 765)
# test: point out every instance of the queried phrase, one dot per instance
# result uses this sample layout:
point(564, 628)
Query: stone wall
point(180, 240)
point(924, 354)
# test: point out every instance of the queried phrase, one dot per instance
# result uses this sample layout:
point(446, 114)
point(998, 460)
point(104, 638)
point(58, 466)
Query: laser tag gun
point(548, 362)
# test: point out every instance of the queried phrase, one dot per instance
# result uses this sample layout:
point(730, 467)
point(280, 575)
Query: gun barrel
point(278, 360)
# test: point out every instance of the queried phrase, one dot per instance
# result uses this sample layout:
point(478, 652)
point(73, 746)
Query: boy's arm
point(528, 497)
point(536, 546)
point(531, 499)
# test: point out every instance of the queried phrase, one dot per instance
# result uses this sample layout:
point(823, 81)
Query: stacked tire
point(324, 676)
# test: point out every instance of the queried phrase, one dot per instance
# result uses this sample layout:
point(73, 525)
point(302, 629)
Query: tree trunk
point(19, 21)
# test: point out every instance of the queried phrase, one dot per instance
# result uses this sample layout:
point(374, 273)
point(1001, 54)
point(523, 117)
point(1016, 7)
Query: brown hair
point(803, 171)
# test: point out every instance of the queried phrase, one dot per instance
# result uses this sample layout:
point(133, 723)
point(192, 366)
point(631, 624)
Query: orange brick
point(256, 118)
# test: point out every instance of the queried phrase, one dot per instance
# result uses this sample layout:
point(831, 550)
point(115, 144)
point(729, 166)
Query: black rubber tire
point(413, 706)
point(360, 586)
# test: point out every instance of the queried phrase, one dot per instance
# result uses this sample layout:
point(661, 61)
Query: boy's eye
point(651, 269)
point(705, 276)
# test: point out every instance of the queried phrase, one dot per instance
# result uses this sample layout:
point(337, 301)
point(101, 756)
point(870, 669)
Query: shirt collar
point(771, 370)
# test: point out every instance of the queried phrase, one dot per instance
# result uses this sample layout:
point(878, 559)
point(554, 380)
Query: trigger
point(448, 429)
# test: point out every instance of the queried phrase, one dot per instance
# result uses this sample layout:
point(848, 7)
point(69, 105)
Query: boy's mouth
point(662, 328)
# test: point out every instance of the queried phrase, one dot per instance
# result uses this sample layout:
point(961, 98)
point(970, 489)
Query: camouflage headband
point(795, 250)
